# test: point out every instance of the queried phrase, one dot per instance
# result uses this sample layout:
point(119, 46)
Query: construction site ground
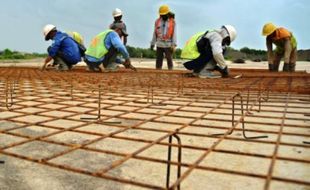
point(80, 130)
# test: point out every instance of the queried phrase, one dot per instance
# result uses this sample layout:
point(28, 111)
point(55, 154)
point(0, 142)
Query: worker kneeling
point(205, 51)
point(104, 48)
point(64, 51)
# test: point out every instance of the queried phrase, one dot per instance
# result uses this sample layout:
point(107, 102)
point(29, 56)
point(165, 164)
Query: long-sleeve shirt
point(67, 46)
point(112, 40)
point(164, 43)
point(215, 38)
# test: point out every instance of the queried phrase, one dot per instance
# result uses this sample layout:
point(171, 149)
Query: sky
point(22, 21)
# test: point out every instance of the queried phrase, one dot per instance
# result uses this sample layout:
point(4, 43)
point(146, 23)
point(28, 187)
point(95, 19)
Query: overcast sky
point(22, 20)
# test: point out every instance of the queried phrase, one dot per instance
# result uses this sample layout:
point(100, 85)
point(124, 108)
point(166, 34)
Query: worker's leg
point(62, 65)
point(197, 64)
point(92, 66)
point(109, 60)
point(159, 57)
point(276, 61)
point(293, 59)
point(168, 53)
point(206, 71)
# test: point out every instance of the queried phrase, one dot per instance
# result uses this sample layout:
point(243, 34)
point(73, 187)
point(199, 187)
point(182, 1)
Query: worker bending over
point(64, 51)
point(205, 50)
point(286, 46)
point(104, 48)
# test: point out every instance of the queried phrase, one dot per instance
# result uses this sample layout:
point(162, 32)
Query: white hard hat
point(231, 31)
point(47, 29)
point(117, 12)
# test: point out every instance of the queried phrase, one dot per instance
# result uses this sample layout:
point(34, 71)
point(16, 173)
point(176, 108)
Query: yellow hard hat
point(268, 29)
point(164, 9)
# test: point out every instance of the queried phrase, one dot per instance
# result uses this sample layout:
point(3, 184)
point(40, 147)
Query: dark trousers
point(60, 61)
point(108, 59)
point(160, 56)
point(199, 63)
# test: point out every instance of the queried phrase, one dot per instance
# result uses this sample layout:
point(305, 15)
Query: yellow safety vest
point(76, 37)
point(97, 46)
point(190, 50)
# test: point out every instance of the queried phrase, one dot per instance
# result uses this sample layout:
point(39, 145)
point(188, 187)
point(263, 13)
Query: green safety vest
point(190, 50)
point(97, 46)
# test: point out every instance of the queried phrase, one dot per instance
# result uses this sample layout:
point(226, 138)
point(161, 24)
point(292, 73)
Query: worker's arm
point(217, 50)
point(174, 37)
point(269, 51)
point(118, 44)
point(287, 50)
point(48, 59)
point(153, 38)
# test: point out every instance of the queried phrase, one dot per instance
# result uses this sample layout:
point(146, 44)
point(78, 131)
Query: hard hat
point(231, 31)
point(47, 29)
point(268, 29)
point(117, 12)
point(164, 9)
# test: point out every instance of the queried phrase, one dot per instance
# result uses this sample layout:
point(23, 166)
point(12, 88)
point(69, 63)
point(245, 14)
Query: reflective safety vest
point(282, 33)
point(170, 29)
point(76, 37)
point(190, 50)
point(97, 46)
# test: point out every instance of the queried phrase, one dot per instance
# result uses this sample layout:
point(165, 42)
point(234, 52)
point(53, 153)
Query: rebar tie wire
point(238, 95)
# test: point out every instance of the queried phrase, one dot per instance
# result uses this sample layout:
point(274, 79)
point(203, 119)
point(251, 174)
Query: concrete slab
point(234, 162)
point(32, 119)
point(6, 140)
point(69, 137)
point(37, 149)
point(63, 123)
point(292, 170)
point(9, 114)
point(118, 145)
point(34, 131)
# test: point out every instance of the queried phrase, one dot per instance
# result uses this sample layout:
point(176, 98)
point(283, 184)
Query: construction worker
point(117, 15)
point(102, 52)
point(286, 46)
point(205, 50)
point(64, 50)
point(164, 37)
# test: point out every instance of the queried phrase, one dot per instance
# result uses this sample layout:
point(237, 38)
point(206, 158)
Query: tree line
point(135, 52)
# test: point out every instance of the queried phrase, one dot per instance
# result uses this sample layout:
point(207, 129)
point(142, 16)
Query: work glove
point(127, 64)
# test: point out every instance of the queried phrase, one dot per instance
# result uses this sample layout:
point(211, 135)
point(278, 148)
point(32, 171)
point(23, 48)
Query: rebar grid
point(206, 98)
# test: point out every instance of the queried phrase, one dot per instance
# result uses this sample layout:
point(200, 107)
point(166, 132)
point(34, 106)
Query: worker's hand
point(152, 47)
point(128, 65)
point(47, 60)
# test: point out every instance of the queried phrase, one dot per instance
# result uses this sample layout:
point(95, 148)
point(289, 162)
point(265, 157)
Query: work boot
point(292, 67)
point(270, 67)
point(286, 67)
point(276, 67)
